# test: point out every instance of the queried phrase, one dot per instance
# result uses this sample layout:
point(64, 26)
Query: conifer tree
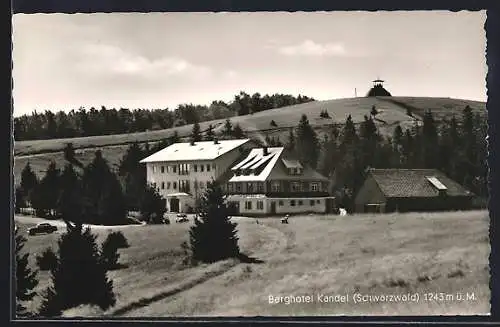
point(79, 276)
point(28, 181)
point(238, 132)
point(290, 145)
point(196, 133)
point(26, 278)
point(228, 128)
point(209, 135)
point(307, 143)
point(102, 192)
point(133, 175)
point(49, 189)
point(70, 205)
point(213, 236)
point(152, 206)
point(429, 141)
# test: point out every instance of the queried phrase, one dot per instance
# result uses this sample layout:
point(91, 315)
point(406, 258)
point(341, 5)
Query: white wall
point(286, 207)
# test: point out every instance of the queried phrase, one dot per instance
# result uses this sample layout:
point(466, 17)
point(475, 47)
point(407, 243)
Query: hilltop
point(392, 111)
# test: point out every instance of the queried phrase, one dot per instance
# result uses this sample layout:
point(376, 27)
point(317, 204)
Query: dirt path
point(274, 244)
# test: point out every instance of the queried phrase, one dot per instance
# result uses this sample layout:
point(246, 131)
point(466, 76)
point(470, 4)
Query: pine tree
point(238, 132)
point(49, 189)
point(133, 175)
point(209, 135)
point(19, 200)
point(79, 277)
point(70, 156)
point(102, 193)
point(152, 206)
point(213, 237)
point(228, 128)
point(26, 279)
point(196, 133)
point(174, 138)
point(69, 205)
point(429, 141)
point(290, 145)
point(28, 181)
point(307, 143)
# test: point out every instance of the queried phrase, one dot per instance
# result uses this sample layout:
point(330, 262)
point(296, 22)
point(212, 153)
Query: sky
point(160, 60)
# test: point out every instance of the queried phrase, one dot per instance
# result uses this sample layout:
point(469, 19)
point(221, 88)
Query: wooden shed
point(403, 190)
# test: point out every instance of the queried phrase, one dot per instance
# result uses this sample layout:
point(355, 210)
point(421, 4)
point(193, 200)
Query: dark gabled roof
point(405, 183)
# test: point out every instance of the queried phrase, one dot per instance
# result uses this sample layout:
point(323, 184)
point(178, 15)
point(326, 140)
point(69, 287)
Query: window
point(230, 187)
point(295, 187)
point(300, 202)
point(260, 205)
point(248, 205)
point(311, 203)
point(275, 187)
point(238, 187)
point(174, 169)
point(208, 167)
point(201, 168)
point(213, 166)
point(174, 185)
point(162, 185)
point(280, 203)
point(318, 201)
point(163, 169)
point(314, 187)
point(195, 167)
point(154, 169)
point(292, 203)
point(168, 185)
point(249, 187)
point(261, 187)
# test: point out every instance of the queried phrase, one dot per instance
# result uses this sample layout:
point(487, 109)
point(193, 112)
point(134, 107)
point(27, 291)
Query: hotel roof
point(205, 150)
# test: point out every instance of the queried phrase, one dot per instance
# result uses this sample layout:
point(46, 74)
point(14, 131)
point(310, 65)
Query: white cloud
point(102, 59)
point(312, 49)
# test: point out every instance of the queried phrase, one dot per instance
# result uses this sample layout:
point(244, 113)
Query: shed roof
point(405, 183)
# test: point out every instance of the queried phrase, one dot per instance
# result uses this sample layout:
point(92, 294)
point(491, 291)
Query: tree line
point(81, 122)
point(456, 146)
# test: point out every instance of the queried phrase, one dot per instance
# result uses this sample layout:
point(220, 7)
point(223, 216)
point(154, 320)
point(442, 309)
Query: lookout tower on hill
point(378, 89)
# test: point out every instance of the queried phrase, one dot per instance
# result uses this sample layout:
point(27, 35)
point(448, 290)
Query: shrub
point(273, 123)
point(26, 278)
point(47, 260)
point(109, 254)
point(118, 239)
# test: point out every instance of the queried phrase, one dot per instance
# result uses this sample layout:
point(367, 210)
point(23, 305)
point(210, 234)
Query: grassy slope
point(390, 113)
point(331, 255)
point(285, 117)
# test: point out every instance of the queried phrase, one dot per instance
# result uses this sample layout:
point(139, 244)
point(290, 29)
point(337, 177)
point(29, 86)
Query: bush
point(118, 239)
point(273, 123)
point(109, 253)
point(47, 260)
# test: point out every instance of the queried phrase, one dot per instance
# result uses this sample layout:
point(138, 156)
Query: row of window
point(275, 187)
point(183, 185)
point(293, 203)
point(184, 169)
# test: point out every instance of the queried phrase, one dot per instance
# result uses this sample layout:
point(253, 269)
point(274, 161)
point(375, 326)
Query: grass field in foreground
point(371, 254)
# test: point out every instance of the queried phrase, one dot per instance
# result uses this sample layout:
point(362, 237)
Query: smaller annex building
point(403, 190)
point(270, 181)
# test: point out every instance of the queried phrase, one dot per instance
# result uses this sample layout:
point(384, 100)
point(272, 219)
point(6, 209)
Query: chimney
point(266, 151)
point(216, 141)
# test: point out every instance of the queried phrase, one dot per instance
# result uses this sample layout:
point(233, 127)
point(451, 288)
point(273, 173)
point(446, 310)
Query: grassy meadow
point(333, 255)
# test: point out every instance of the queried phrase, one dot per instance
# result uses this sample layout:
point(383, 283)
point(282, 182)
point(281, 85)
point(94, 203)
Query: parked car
point(181, 218)
point(42, 228)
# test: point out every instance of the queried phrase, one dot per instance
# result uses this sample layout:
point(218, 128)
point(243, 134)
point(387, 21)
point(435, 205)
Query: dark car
point(42, 228)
